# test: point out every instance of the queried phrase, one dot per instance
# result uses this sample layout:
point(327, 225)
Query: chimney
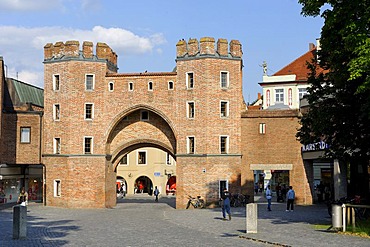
point(207, 46)
point(193, 47)
point(236, 48)
point(181, 48)
point(311, 46)
point(259, 96)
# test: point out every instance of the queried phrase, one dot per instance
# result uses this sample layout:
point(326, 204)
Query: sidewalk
point(139, 221)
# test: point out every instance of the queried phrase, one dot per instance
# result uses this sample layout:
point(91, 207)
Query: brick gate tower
point(94, 116)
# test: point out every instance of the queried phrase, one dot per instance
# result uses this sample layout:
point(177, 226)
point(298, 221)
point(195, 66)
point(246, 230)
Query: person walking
point(156, 193)
point(225, 204)
point(290, 199)
point(268, 197)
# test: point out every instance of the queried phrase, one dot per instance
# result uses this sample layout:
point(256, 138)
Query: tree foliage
point(339, 98)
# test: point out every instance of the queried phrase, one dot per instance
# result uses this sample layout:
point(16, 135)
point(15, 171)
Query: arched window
point(150, 86)
point(111, 86)
point(170, 85)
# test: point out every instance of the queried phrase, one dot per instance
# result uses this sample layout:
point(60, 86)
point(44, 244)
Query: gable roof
point(299, 66)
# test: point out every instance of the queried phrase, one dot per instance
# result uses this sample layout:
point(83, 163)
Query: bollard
point(19, 222)
point(336, 216)
point(251, 218)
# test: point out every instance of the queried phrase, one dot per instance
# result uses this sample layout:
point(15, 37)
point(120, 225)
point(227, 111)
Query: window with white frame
point(25, 134)
point(224, 79)
point(191, 145)
point(130, 86)
point(111, 86)
point(262, 128)
point(150, 86)
point(56, 112)
point(89, 111)
point(302, 92)
point(89, 82)
point(124, 160)
point(190, 80)
point(57, 145)
point(141, 157)
point(144, 116)
point(88, 145)
point(56, 82)
point(57, 188)
point(224, 108)
point(279, 95)
point(191, 109)
point(224, 144)
point(170, 85)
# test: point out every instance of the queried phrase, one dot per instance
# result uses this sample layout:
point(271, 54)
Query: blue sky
point(144, 33)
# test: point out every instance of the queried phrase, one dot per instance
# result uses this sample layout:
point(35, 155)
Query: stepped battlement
point(207, 46)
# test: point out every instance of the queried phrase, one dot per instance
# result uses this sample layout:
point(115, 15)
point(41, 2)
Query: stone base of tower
point(79, 182)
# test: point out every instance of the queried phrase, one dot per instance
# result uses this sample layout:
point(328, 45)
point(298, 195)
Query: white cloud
point(22, 48)
point(29, 5)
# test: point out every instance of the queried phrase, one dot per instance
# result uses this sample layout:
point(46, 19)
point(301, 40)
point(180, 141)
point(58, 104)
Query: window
point(89, 111)
point(262, 128)
point(57, 188)
point(191, 145)
point(123, 161)
point(141, 157)
point(191, 110)
point(302, 92)
point(111, 86)
point(190, 80)
point(224, 78)
point(224, 144)
point(268, 98)
point(88, 144)
point(290, 97)
point(224, 109)
point(57, 145)
point(168, 159)
point(56, 82)
point(144, 116)
point(89, 82)
point(130, 86)
point(279, 95)
point(25, 134)
point(170, 85)
point(56, 112)
point(150, 86)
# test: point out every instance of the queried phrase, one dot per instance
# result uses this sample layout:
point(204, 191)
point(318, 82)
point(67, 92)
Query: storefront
point(14, 177)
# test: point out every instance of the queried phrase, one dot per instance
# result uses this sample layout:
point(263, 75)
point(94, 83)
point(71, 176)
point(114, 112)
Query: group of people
point(290, 196)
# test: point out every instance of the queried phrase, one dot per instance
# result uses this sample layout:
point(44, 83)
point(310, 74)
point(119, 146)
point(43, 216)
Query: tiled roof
point(299, 66)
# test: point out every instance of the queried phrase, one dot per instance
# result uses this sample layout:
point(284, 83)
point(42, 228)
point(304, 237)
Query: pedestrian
point(256, 188)
point(23, 197)
point(290, 202)
point(268, 197)
point(123, 189)
point(156, 193)
point(225, 204)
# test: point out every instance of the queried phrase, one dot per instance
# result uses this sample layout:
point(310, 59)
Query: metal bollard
point(251, 217)
point(19, 222)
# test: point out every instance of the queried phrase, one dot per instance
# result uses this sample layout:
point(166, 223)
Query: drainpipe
point(40, 162)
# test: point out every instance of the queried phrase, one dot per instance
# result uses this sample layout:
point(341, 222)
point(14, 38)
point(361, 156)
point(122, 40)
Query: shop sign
point(157, 174)
point(315, 146)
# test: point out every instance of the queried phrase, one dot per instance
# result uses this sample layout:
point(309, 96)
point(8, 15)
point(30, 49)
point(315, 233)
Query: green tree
point(339, 98)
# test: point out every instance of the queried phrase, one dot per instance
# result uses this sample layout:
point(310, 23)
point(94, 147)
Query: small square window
point(224, 109)
point(57, 188)
point(89, 82)
point(144, 116)
point(25, 134)
point(262, 128)
point(141, 157)
point(224, 78)
point(191, 145)
point(89, 111)
point(57, 145)
point(279, 95)
point(88, 144)
point(56, 82)
point(170, 85)
point(190, 80)
point(191, 110)
point(56, 112)
point(224, 144)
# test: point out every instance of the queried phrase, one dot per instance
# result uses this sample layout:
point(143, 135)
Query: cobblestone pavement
point(139, 221)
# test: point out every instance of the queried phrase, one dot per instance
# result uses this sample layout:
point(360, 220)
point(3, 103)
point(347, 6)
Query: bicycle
point(197, 202)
